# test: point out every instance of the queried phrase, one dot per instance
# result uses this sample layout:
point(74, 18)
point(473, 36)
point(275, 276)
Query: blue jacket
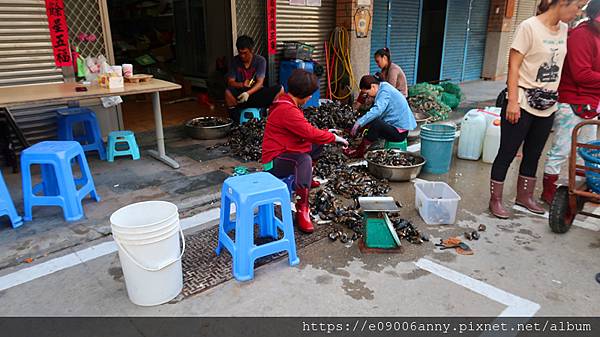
point(391, 107)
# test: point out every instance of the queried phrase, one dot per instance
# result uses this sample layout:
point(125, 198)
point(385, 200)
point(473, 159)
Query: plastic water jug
point(492, 142)
point(472, 134)
point(491, 113)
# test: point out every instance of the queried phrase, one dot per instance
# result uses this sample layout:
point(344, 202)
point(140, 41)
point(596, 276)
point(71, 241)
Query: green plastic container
point(377, 233)
point(402, 146)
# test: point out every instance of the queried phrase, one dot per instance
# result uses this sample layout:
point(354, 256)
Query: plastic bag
point(111, 101)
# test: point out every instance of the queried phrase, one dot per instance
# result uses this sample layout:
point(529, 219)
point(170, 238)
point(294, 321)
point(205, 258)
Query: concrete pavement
point(519, 266)
point(520, 257)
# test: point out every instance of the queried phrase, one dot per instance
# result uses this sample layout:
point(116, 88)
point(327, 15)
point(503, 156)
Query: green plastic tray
point(377, 234)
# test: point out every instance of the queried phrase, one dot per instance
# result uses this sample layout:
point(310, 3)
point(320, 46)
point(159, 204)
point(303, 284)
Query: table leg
point(161, 155)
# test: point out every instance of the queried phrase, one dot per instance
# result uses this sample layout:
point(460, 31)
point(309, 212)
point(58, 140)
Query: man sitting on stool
point(245, 81)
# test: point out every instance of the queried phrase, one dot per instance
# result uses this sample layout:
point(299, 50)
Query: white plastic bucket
point(144, 217)
point(149, 251)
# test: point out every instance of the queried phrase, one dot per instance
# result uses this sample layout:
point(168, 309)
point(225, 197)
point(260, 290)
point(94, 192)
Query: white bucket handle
point(153, 269)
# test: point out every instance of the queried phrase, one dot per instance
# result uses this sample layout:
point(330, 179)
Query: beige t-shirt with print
point(545, 51)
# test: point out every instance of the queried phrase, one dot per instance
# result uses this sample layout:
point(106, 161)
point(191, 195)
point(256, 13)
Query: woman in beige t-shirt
point(534, 69)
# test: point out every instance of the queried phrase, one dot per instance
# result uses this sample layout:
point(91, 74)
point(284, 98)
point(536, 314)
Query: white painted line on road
point(37, 271)
point(591, 223)
point(70, 260)
point(525, 210)
point(516, 306)
point(203, 217)
point(96, 251)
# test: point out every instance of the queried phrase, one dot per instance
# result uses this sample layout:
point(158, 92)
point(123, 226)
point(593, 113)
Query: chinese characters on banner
point(271, 26)
point(55, 10)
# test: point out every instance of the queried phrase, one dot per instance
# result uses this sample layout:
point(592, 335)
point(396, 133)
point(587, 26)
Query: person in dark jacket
point(579, 95)
point(291, 143)
point(245, 81)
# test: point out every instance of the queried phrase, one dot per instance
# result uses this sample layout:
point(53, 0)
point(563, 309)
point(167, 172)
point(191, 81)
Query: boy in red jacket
point(291, 143)
point(579, 93)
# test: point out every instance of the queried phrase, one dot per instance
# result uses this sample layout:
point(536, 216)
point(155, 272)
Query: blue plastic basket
point(592, 159)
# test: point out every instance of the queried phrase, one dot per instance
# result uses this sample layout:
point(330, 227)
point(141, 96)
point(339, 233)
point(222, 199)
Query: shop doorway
point(188, 42)
point(433, 21)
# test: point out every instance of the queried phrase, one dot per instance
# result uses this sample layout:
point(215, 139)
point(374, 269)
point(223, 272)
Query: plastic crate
point(592, 159)
point(437, 202)
point(297, 50)
point(285, 70)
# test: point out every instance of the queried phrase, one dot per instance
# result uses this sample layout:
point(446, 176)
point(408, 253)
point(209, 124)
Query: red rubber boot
point(549, 187)
point(303, 211)
point(313, 182)
point(525, 189)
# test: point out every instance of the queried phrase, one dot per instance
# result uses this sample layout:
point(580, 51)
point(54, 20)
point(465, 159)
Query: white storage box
point(437, 202)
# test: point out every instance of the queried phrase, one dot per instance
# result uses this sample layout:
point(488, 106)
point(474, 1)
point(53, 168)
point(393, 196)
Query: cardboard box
point(116, 82)
point(111, 82)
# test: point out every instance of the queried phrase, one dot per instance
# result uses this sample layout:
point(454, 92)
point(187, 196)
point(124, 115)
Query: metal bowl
point(396, 173)
point(195, 129)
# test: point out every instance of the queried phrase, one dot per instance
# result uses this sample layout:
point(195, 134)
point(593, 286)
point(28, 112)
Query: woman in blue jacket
point(390, 118)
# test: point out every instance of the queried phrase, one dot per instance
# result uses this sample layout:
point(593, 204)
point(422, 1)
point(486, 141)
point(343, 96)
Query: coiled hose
point(339, 68)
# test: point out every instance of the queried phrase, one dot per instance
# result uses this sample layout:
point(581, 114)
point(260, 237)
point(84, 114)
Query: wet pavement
point(193, 188)
point(520, 256)
point(542, 273)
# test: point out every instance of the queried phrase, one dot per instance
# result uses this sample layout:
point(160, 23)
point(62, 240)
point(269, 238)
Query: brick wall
point(345, 11)
point(499, 20)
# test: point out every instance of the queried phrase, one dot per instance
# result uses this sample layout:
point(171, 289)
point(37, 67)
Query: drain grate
point(203, 269)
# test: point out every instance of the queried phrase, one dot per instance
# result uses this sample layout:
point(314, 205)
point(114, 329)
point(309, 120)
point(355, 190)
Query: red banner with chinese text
point(59, 34)
point(271, 27)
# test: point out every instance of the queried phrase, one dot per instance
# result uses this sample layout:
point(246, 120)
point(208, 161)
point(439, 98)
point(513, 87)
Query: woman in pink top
point(390, 73)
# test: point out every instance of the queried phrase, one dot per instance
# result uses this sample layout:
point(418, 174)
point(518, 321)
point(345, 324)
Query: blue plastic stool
point(248, 192)
point(91, 140)
point(6, 205)
point(119, 137)
point(289, 182)
point(249, 113)
point(59, 187)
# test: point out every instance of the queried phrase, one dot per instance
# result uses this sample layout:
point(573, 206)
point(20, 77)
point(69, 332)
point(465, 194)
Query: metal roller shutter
point(26, 57)
point(404, 40)
point(477, 36)
point(454, 39)
point(25, 49)
point(380, 30)
point(311, 25)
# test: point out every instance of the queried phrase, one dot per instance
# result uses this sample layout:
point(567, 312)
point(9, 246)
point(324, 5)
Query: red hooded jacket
point(580, 83)
point(288, 130)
